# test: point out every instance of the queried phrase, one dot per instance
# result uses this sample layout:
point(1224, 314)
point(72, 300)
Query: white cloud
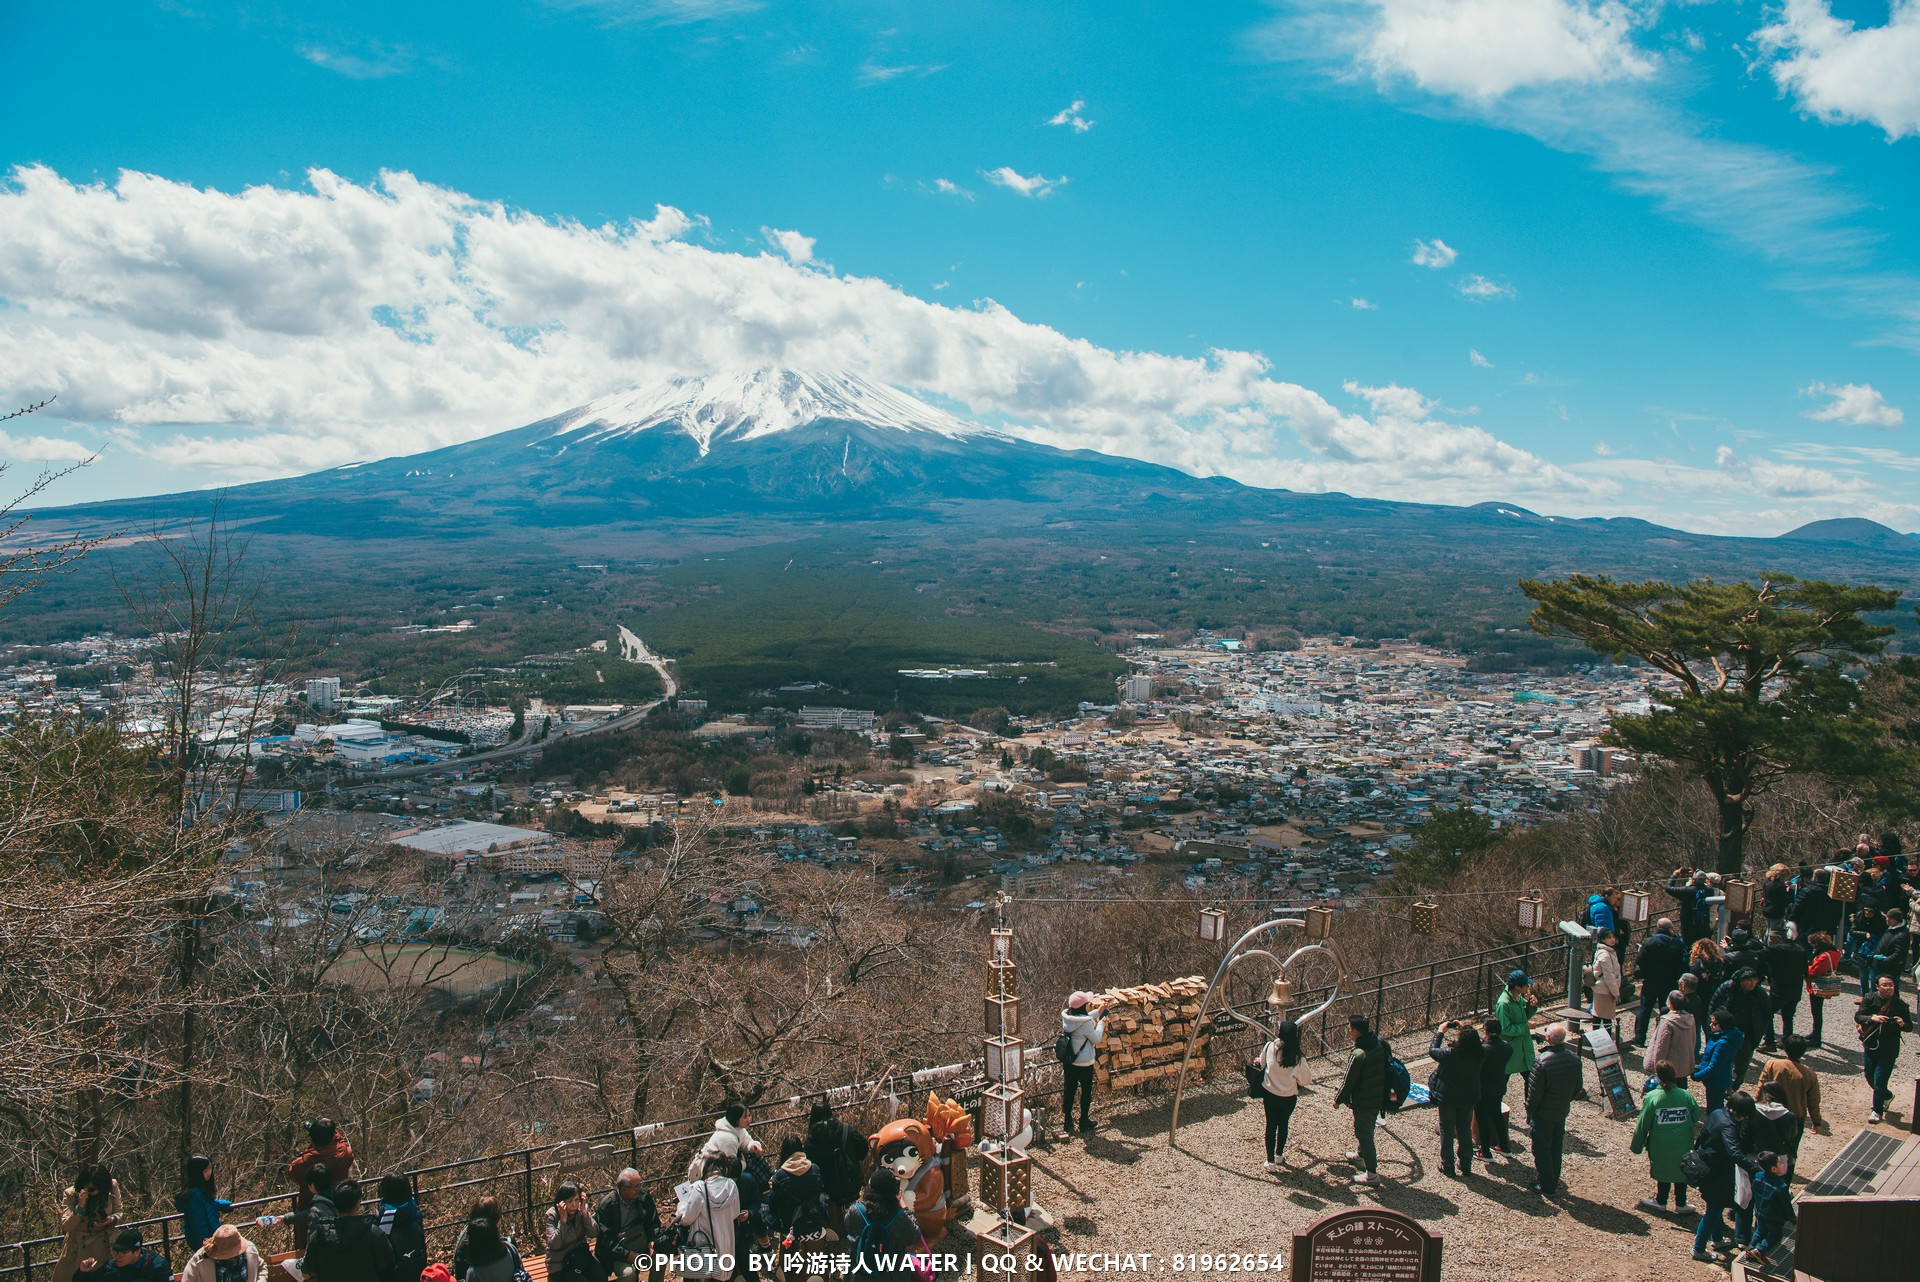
point(658, 12)
point(377, 62)
point(1839, 72)
point(1013, 180)
point(1435, 253)
point(874, 73)
point(948, 187)
point(41, 449)
point(1362, 305)
point(797, 248)
point(1481, 290)
point(1785, 480)
point(1603, 449)
point(1070, 117)
point(1475, 359)
point(1858, 404)
point(272, 331)
point(1483, 49)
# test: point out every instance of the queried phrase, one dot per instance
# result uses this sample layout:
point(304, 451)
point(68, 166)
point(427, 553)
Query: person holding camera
point(1082, 1028)
point(328, 1150)
point(1693, 890)
point(1455, 1090)
point(93, 1215)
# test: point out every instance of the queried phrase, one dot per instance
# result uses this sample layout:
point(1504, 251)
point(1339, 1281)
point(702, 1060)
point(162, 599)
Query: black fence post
point(1431, 969)
point(1379, 1001)
point(526, 1192)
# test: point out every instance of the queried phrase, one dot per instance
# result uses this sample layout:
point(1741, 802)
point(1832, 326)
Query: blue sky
point(1596, 258)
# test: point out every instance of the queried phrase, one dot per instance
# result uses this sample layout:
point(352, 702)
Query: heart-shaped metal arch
point(1236, 954)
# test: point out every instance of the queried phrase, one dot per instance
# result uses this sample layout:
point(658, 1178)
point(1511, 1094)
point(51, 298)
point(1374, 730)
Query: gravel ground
point(1124, 1190)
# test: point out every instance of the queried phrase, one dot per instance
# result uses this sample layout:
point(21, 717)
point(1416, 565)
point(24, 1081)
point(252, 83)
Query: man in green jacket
point(1515, 1009)
point(1364, 1091)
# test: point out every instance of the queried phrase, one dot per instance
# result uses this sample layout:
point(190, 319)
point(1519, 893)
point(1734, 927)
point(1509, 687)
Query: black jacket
point(1696, 920)
point(839, 1151)
point(1365, 1087)
point(626, 1229)
point(1883, 1039)
point(796, 1201)
point(148, 1266)
point(1890, 951)
point(1776, 899)
point(1661, 959)
point(1493, 1069)
point(1720, 1146)
point(1456, 1074)
point(1752, 1011)
point(351, 1249)
point(1814, 911)
point(1785, 966)
point(1742, 953)
point(1555, 1083)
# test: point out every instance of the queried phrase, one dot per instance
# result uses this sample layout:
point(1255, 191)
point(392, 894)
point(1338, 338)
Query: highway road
point(632, 648)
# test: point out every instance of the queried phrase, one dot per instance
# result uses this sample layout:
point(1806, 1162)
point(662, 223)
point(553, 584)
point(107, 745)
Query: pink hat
point(1078, 999)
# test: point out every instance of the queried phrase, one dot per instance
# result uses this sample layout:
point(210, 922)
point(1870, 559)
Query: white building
point(1139, 688)
point(323, 693)
point(837, 719)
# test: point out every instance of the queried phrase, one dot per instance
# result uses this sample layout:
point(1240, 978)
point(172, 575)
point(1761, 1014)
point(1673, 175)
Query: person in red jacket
point(330, 1150)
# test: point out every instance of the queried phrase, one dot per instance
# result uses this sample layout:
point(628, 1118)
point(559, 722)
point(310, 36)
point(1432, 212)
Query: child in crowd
point(1772, 1207)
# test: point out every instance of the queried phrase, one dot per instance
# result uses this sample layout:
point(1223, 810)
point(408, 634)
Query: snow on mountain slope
point(746, 405)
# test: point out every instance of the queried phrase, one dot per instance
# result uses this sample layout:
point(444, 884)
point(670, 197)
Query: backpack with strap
point(1063, 1048)
point(1398, 1083)
point(871, 1258)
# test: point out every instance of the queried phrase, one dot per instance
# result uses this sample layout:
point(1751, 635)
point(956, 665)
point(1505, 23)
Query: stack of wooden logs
point(1147, 1029)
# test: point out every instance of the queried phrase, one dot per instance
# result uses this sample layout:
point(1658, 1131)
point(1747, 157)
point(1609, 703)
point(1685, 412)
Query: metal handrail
point(964, 1081)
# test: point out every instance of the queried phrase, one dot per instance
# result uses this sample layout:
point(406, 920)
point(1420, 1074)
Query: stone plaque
point(1368, 1245)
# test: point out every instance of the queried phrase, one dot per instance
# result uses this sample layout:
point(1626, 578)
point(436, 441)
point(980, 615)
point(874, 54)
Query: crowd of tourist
point(1716, 991)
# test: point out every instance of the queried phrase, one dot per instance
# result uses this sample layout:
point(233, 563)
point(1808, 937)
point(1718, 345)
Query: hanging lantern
point(1533, 911)
point(1424, 917)
point(1636, 906)
point(1002, 943)
point(1319, 923)
point(1001, 1109)
point(1739, 895)
point(1843, 886)
point(1280, 996)
point(1213, 925)
point(1004, 1059)
point(1016, 1245)
point(1003, 977)
point(1003, 1016)
point(1006, 1178)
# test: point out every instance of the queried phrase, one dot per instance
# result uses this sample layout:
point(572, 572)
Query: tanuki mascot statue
point(929, 1159)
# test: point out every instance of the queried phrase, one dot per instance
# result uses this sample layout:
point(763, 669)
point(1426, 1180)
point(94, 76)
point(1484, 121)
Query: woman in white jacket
point(1082, 1027)
point(1286, 1072)
point(1604, 975)
point(709, 1207)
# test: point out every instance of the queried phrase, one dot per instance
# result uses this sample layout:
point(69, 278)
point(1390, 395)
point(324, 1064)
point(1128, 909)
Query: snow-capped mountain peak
point(742, 406)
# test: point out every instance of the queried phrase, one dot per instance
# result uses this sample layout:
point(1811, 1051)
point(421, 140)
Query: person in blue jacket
point(199, 1206)
point(1715, 1070)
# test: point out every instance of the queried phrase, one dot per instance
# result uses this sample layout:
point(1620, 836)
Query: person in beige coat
point(225, 1257)
point(1604, 975)
point(92, 1217)
point(1673, 1038)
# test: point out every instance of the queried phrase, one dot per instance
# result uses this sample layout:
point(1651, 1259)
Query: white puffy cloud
point(271, 331)
point(1435, 253)
point(40, 449)
point(1070, 117)
point(797, 248)
point(1837, 71)
point(1481, 290)
point(948, 187)
point(1858, 404)
point(1483, 49)
point(1362, 305)
point(1786, 480)
point(1013, 180)
point(1475, 359)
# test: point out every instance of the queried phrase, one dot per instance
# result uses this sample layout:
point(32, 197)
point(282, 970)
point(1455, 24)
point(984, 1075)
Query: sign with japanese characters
point(1367, 1245)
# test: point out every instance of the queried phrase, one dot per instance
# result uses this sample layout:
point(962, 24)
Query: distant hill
point(1856, 531)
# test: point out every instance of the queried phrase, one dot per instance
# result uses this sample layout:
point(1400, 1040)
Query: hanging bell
point(1280, 996)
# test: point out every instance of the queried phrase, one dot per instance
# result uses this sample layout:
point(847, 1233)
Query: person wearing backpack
point(1555, 1084)
point(884, 1234)
point(1710, 1167)
point(837, 1151)
point(401, 1221)
point(1364, 1091)
point(1082, 1028)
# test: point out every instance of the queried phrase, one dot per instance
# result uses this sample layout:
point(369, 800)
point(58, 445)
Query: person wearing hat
point(1751, 1008)
point(225, 1257)
point(1083, 1027)
point(131, 1261)
point(1515, 1009)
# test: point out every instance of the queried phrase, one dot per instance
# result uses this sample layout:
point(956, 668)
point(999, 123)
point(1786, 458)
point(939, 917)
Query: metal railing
point(1397, 1001)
